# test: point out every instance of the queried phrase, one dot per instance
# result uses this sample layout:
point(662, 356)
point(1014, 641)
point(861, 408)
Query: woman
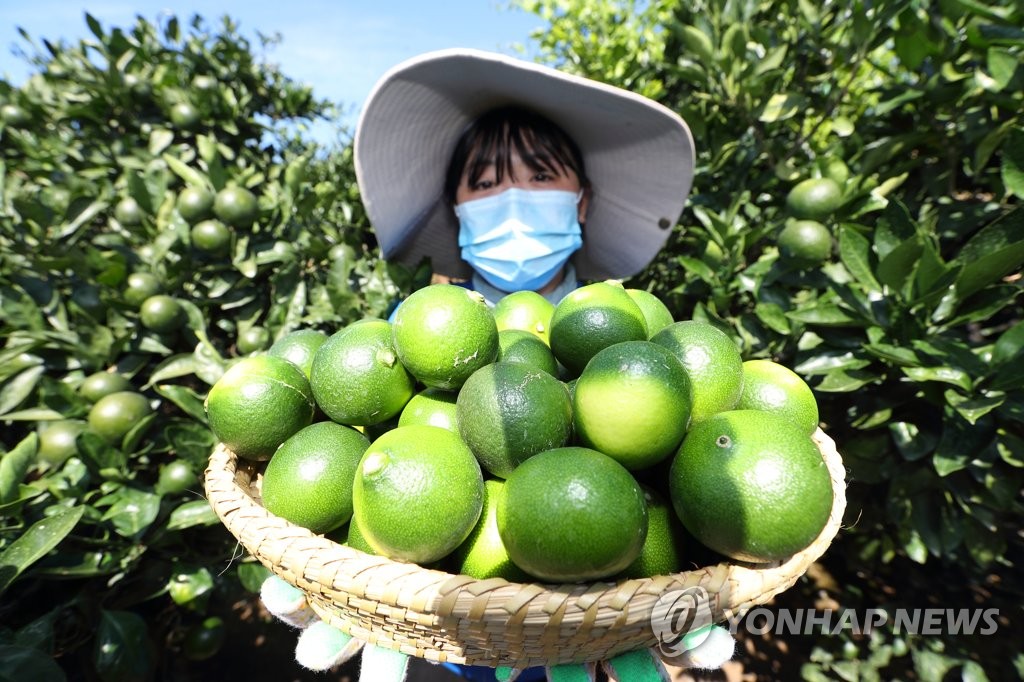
point(447, 128)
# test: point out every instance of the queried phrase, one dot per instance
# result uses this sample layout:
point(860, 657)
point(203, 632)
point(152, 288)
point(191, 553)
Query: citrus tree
point(856, 215)
point(161, 215)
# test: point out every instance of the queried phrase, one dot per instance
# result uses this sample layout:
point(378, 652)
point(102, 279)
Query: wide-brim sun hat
point(638, 155)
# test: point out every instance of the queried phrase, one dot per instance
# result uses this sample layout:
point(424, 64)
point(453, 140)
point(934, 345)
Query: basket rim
point(373, 598)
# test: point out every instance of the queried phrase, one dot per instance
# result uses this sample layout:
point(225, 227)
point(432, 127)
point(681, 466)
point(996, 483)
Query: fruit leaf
point(855, 252)
point(122, 649)
point(27, 663)
point(194, 513)
point(35, 543)
point(14, 465)
point(188, 583)
point(17, 389)
point(133, 511)
point(1013, 163)
point(991, 254)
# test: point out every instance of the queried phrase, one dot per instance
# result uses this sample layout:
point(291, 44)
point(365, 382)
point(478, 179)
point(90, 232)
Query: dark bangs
point(494, 136)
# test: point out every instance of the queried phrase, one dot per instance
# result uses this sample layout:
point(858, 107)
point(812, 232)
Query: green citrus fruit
point(355, 538)
point(97, 385)
point(805, 242)
point(253, 339)
point(571, 515)
point(309, 479)
point(632, 403)
point(114, 415)
point(418, 493)
point(483, 555)
point(257, 404)
point(656, 314)
point(140, 286)
point(203, 640)
point(516, 345)
point(211, 236)
point(58, 440)
point(204, 83)
point(751, 485)
point(837, 170)
point(507, 412)
point(712, 362)
point(184, 116)
point(236, 206)
point(13, 115)
point(772, 387)
point(162, 313)
point(662, 553)
point(194, 204)
point(443, 333)
point(128, 212)
point(814, 199)
point(432, 407)
point(299, 347)
point(357, 378)
point(175, 478)
point(591, 318)
point(526, 311)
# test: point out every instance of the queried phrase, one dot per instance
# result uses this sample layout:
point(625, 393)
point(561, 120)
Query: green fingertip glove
point(636, 666)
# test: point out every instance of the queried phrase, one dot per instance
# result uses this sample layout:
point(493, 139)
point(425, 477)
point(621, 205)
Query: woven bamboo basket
point(453, 618)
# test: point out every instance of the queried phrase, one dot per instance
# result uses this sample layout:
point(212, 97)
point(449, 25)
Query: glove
point(321, 647)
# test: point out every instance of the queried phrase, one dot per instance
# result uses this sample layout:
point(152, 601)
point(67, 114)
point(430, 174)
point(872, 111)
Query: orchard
point(855, 217)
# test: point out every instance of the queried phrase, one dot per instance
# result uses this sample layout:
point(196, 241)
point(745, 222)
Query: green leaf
point(912, 443)
point(191, 176)
point(1001, 65)
point(824, 314)
point(28, 663)
point(35, 543)
point(1010, 345)
point(973, 672)
point(94, 26)
point(188, 400)
point(892, 229)
point(188, 583)
point(194, 513)
point(159, 140)
point(781, 106)
point(699, 268)
point(15, 464)
point(17, 389)
point(991, 254)
point(123, 650)
point(133, 511)
point(845, 381)
point(172, 368)
point(974, 408)
point(897, 355)
point(697, 42)
point(773, 317)
point(948, 375)
point(1013, 163)
point(252, 575)
point(855, 252)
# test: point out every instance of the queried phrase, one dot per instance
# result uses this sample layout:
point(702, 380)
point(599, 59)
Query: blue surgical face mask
point(520, 239)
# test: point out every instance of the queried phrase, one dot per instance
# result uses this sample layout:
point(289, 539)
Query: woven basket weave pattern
point(454, 618)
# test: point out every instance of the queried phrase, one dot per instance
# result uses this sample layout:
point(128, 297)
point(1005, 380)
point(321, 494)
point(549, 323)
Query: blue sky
point(340, 48)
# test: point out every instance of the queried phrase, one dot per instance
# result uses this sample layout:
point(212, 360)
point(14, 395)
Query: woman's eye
point(480, 185)
point(543, 176)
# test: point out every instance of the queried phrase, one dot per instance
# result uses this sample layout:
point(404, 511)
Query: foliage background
point(910, 334)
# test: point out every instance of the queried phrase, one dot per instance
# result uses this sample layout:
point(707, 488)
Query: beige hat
point(637, 154)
